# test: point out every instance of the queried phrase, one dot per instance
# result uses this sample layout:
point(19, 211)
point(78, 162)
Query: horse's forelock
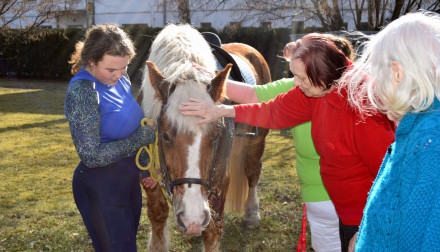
point(173, 51)
point(182, 123)
point(176, 47)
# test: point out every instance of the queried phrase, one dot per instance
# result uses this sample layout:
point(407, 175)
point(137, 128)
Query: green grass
point(37, 159)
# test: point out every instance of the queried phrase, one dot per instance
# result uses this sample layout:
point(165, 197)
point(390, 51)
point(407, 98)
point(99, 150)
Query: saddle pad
point(245, 69)
point(240, 70)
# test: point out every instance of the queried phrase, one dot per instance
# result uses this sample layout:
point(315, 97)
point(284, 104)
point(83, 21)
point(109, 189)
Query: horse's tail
point(238, 183)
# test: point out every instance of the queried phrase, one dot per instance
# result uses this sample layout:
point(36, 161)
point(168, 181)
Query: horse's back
point(246, 153)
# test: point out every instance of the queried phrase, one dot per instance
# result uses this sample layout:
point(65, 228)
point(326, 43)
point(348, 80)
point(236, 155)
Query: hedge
point(45, 53)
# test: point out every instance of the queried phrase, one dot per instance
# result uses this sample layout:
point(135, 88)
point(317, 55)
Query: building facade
point(157, 13)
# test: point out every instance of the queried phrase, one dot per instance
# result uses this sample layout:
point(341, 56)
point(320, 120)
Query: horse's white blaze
point(194, 202)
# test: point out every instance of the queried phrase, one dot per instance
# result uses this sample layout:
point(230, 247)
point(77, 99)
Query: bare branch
point(33, 13)
point(330, 14)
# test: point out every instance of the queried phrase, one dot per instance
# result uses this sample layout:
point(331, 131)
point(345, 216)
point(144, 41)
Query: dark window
point(363, 26)
point(267, 25)
point(297, 27)
point(205, 25)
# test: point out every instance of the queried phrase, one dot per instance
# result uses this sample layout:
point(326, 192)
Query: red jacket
point(351, 150)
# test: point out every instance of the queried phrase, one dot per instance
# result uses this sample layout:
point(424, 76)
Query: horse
point(199, 164)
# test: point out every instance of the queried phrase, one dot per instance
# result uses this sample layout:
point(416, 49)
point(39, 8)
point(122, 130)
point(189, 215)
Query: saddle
point(240, 71)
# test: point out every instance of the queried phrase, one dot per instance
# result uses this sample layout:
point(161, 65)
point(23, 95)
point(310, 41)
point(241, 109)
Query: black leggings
point(345, 234)
point(110, 201)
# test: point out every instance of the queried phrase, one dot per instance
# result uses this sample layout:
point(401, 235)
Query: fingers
point(194, 107)
point(153, 125)
point(207, 110)
point(193, 104)
point(148, 182)
point(193, 101)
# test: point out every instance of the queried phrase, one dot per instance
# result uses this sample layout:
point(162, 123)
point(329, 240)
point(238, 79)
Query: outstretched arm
point(240, 92)
point(208, 111)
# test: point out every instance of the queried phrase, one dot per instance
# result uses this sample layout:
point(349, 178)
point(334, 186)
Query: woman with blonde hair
point(403, 208)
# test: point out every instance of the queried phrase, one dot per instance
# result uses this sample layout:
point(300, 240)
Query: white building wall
point(77, 20)
point(127, 12)
point(151, 12)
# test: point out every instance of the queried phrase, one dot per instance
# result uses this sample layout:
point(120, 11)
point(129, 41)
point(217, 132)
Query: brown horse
point(199, 164)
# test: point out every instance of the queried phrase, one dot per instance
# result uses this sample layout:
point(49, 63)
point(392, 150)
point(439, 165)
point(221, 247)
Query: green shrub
point(37, 53)
point(44, 53)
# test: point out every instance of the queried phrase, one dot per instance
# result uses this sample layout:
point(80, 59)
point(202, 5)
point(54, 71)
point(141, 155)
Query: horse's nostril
point(207, 219)
point(180, 222)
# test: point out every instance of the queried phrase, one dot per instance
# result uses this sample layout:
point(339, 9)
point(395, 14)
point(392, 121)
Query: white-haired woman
point(403, 208)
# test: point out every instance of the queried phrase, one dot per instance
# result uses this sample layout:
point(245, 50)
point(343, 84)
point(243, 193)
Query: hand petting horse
point(200, 164)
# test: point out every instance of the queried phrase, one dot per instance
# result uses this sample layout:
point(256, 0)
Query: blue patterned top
point(104, 121)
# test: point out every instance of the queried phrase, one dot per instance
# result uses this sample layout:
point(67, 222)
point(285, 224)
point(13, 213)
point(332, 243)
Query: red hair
point(324, 62)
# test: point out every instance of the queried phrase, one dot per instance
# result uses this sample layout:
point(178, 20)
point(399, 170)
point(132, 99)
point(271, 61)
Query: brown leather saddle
point(223, 57)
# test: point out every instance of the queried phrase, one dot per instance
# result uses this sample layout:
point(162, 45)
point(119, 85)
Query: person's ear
point(398, 73)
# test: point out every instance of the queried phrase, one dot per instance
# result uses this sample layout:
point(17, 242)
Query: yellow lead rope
point(153, 152)
point(154, 165)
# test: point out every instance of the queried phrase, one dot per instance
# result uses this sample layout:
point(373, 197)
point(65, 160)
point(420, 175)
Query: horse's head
point(191, 155)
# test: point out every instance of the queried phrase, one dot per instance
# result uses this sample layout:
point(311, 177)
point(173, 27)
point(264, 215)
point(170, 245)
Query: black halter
point(222, 146)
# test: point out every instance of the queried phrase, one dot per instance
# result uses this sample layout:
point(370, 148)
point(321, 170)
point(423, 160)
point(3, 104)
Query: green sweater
point(307, 159)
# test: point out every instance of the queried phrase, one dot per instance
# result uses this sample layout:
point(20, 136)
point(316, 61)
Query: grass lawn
point(37, 159)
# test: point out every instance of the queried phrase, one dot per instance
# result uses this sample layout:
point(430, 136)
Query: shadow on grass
point(33, 125)
point(33, 83)
point(33, 102)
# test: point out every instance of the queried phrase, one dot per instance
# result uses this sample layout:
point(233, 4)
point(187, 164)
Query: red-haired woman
point(351, 146)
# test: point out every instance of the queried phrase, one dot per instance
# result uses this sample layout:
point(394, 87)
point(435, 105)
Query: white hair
point(413, 41)
point(174, 51)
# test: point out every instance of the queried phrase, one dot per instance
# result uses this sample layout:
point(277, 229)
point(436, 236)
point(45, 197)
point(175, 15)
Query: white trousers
point(324, 226)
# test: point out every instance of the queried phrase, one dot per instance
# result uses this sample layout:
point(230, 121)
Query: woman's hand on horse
point(208, 111)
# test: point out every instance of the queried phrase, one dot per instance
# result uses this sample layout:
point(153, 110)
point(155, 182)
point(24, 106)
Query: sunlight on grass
point(37, 159)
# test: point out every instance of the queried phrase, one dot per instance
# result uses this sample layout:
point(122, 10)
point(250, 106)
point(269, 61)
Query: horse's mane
point(173, 51)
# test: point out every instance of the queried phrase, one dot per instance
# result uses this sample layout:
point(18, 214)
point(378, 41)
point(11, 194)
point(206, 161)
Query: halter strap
point(221, 146)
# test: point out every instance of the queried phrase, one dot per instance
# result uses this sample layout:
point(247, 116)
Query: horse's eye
point(165, 137)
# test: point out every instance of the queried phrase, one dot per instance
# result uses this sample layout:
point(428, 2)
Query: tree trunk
point(397, 9)
point(184, 12)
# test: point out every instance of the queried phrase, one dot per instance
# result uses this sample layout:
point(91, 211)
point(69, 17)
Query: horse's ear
point(158, 82)
point(218, 84)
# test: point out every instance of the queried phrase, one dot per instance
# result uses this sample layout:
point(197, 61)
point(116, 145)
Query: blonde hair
point(413, 41)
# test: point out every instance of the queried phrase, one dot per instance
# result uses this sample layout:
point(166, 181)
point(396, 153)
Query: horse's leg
point(251, 217)
point(157, 211)
point(211, 236)
point(213, 233)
